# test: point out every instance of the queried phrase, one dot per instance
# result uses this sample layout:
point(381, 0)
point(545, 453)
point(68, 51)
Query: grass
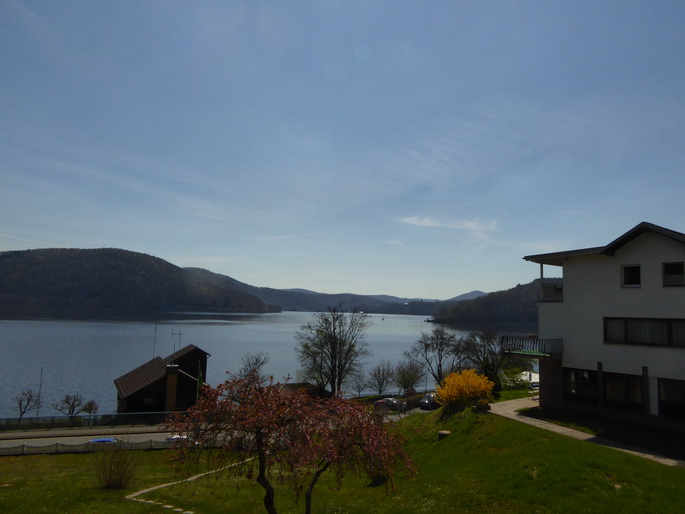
point(512, 394)
point(67, 483)
point(487, 464)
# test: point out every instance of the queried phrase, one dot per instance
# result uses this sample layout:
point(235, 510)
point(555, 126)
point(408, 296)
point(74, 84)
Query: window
point(674, 273)
point(671, 398)
point(630, 276)
point(580, 385)
point(623, 391)
point(647, 331)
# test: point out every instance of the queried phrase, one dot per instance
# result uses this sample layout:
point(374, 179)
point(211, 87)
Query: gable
point(558, 258)
point(140, 377)
point(155, 369)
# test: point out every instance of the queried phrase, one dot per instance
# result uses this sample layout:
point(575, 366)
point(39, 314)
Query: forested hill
point(120, 279)
point(516, 305)
point(112, 279)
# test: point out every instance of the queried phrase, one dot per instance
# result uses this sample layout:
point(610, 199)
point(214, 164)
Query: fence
point(111, 420)
point(532, 346)
point(29, 449)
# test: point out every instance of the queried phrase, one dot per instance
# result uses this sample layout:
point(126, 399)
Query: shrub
point(514, 378)
point(461, 390)
point(115, 467)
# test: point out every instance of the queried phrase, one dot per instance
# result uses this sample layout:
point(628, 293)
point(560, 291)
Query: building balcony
point(552, 292)
point(532, 346)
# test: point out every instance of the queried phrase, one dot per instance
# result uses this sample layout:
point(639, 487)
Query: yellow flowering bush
point(461, 390)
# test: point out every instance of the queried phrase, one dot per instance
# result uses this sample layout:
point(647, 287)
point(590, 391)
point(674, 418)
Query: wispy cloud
point(474, 225)
point(394, 242)
point(18, 238)
point(209, 217)
point(282, 237)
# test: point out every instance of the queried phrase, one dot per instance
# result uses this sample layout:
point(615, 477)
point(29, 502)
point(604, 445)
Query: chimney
point(171, 387)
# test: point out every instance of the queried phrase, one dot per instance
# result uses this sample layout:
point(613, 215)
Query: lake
point(86, 356)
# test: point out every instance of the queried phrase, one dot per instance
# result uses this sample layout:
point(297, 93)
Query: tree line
point(70, 405)
point(331, 351)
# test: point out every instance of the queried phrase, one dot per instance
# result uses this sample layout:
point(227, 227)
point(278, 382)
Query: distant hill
point(467, 296)
point(516, 305)
point(311, 301)
point(113, 279)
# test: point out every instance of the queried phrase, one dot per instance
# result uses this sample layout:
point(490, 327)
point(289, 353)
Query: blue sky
point(418, 149)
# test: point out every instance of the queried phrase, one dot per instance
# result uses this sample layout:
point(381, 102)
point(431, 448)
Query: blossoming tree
point(266, 433)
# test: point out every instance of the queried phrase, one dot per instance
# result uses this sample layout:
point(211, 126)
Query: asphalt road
point(77, 436)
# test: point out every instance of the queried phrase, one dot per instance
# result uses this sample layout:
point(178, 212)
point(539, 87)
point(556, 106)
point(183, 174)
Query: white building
point(621, 319)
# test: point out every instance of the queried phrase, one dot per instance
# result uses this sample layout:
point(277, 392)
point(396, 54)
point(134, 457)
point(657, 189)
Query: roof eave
point(558, 258)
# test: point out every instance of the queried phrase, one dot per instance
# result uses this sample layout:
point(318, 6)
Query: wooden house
point(163, 384)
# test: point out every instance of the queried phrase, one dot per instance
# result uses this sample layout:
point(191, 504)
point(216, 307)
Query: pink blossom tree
point(289, 436)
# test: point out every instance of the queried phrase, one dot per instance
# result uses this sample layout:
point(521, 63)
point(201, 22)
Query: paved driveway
point(509, 410)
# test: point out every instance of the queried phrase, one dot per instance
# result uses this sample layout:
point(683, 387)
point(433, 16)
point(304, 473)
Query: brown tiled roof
point(149, 372)
point(180, 353)
point(140, 377)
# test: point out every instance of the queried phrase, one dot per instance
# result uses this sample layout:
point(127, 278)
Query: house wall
point(137, 401)
point(593, 291)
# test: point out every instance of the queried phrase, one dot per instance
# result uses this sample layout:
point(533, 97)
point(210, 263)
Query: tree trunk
point(269, 497)
point(310, 489)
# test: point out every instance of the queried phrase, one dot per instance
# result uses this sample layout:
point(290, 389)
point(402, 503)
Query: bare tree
point(406, 375)
point(357, 382)
point(380, 377)
point(436, 353)
point(91, 407)
point(70, 405)
point(481, 351)
point(253, 364)
point(332, 347)
point(26, 401)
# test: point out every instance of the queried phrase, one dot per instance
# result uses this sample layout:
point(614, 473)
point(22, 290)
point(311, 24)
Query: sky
point(417, 149)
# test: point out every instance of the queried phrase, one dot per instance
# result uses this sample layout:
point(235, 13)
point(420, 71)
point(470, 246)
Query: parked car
point(105, 440)
point(177, 437)
point(388, 403)
point(181, 440)
point(429, 402)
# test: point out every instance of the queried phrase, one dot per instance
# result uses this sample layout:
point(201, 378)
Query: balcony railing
point(532, 346)
point(552, 293)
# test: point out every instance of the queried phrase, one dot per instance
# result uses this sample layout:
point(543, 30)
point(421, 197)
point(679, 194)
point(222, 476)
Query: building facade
point(621, 317)
point(163, 384)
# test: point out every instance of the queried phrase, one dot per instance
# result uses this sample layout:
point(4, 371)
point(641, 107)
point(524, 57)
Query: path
point(508, 410)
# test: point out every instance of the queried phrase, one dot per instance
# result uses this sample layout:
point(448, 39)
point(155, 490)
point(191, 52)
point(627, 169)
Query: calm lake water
point(86, 356)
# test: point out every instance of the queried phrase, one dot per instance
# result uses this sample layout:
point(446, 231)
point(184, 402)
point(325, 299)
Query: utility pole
point(40, 389)
point(154, 341)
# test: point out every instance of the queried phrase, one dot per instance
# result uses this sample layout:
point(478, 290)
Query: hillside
point(515, 305)
point(310, 301)
point(112, 279)
point(119, 279)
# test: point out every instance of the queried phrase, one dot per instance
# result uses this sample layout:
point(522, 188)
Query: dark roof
point(140, 377)
point(183, 351)
point(149, 372)
point(557, 258)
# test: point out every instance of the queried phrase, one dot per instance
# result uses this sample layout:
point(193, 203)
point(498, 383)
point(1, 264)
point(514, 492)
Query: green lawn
point(67, 483)
point(487, 464)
